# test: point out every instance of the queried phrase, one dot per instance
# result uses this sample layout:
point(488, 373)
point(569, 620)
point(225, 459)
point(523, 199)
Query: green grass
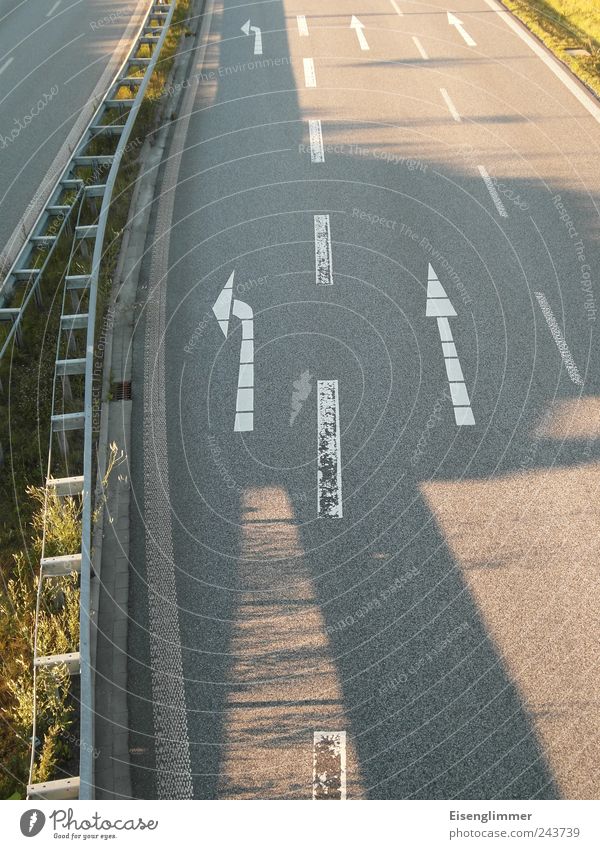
point(565, 25)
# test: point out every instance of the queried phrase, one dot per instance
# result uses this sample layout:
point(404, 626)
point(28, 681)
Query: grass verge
point(25, 409)
point(563, 26)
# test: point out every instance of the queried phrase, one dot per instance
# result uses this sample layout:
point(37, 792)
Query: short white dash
point(310, 78)
point(420, 47)
point(329, 459)
point(317, 152)
point(8, 62)
point(493, 193)
point(329, 765)
point(302, 25)
point(451, 107)
point(53, 8)
point(396, 8)
point(323, 259)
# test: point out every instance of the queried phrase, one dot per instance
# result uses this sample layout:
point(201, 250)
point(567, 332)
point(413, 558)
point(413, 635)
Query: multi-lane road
point(57, 58)
point(366, 414)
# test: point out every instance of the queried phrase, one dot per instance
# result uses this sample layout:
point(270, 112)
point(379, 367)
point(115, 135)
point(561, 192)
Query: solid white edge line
point(587, 100)
point(452, 108)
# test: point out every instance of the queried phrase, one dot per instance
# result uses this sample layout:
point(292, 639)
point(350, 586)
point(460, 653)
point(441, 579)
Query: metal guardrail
point(82, 319)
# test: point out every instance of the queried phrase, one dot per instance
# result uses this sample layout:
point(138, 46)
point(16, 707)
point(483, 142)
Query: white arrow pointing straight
point(439, 306)
point(358, 28)
point(244, 408)
point(456, 22)
point(257, 37)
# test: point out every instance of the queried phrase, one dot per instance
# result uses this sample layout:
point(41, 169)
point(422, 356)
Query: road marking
point(456, 22)
point(358, 28)
point(8, 62)
point(53, 9)
point(310, 77)
point(439, 307)
point(315, 132)
point(329, 459)
point(396, 8)
point(323, 255)
point(588, 101)
point(450, 105)
point(558, 337)
point(222, 308)
point(302, 25)
point(420, 47)
point(329, 765)
point(493, 193)
point(246, 29)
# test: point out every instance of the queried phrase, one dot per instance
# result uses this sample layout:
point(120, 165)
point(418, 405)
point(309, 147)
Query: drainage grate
point(121, 391)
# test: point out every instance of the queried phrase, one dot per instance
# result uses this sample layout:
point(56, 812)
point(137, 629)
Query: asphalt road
point(53, 56)
point(399, 540)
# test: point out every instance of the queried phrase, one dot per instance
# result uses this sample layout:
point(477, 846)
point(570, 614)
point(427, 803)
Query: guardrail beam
point(67, 421)
point(66, 486)
point(66, 368)
point(53, 567)
point(64, 788)
point(74, 322)
point(72, 661)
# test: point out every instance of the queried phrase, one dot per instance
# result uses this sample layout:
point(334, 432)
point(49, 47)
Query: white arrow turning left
point(257, 37)
point(358, 28)
point(456, 22)
point(244, 407)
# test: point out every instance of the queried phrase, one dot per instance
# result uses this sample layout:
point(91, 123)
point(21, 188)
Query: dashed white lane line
point(310, 77)
point(53, 9)
point(451, 107)
point(396, 8)
point(323, 254)
point(440, 307)
point(329, 765)
point(329, 456)
point(420, 47)
point(5, 65)
point(493, 193)
point(559, 338)
point(302, 25)
point(315, 133)
point(587, 100)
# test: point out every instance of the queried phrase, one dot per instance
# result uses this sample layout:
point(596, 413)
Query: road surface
point(366, 482)
point(53, 56)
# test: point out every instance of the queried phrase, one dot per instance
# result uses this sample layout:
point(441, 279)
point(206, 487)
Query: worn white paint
point(315, 133)
point(310, 77)
point(451, 107)
point(329, 459)
point(493, 193)
point(323, 254)
point(420, 48)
